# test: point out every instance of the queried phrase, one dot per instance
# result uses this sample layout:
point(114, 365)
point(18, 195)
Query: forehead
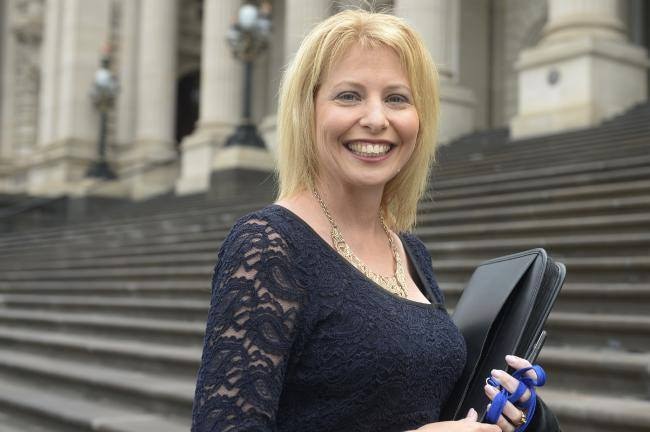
point(358, 62)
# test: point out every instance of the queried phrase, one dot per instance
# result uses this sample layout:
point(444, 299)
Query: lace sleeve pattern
point(252, 323)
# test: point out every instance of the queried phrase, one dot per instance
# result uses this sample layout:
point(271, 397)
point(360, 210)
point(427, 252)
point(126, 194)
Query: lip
point(370, 141)
point(374, 159)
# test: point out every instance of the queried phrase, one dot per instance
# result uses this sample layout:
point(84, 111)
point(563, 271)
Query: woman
point(323, 317)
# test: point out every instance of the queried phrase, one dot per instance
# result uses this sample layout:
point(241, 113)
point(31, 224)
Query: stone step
point(168, 288)
point(151, 392)
point(581, 269)
point(175, 332)
point(619, 332)
point(185, 310)
point(591, 297)
point(609, 224)
point(81, 254)
point(525, 158)
point(9, 422)
point(617, 223)
point(588, 207)
point(551, 151)
point(170, 218)
point(170, 360)
point(135, 230)
point(601, 372)
point(47, 407)
point(116, 273)
point(624, 333)
point(581, 245)
point(634, 244)
point(599, 207)
point(520, 179)
point(580, 411)
point(588, 269)
point(457, 221)
point(568, 194)
point(142, 261)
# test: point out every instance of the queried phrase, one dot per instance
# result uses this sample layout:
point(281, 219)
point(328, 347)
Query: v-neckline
point(423, 286)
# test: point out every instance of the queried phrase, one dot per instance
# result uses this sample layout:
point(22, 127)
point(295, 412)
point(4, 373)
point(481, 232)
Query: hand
point(468, 424)
point(513, 414)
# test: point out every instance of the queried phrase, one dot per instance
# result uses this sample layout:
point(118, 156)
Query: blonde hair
point(297, 167)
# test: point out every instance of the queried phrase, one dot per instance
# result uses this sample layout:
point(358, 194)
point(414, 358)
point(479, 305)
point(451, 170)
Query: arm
point(252, 322)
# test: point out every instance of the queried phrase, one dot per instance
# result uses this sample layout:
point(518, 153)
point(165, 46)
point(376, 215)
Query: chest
point(367, 342)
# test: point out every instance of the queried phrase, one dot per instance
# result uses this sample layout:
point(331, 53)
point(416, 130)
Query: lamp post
point(103, 93)
point(248, 38)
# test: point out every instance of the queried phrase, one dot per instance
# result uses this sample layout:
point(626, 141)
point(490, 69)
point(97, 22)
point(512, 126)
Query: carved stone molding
point(27, 20)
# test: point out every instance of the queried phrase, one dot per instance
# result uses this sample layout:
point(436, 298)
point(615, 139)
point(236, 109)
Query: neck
point(354, 210)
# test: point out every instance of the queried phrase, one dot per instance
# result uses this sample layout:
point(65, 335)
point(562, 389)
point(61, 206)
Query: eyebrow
point(357, 84)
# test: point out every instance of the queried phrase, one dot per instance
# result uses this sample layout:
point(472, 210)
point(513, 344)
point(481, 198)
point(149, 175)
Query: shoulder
point(262, 228)
point(420, 253)
point(416, 247)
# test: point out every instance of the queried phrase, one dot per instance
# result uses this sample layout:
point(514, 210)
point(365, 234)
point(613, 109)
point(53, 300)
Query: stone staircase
point(101, 322)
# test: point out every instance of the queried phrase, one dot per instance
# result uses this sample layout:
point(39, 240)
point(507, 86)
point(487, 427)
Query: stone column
point(75, 32)
point(583, 71)
point(6, 100)
point(299, 18)
point(126, 105)
point(438, 22)
point(6, 80)
point(156, 98)
point(296, 18)
point(50, 77)
point(220, 99)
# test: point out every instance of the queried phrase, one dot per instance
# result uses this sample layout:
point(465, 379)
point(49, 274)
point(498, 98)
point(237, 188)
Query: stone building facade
point(536, 66)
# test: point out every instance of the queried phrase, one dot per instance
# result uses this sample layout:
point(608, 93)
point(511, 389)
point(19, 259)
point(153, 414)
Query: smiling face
point(366, 122)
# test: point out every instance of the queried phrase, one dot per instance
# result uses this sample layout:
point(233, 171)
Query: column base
point(268, 130)
point(457, 112)
point(231, 183)
point(242, 157)
point(196, 159)
point(61, 168)
point(577, 84)
point(154, 180)
point(242, 170)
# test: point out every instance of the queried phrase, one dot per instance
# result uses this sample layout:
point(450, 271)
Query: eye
point(397, 99)
point(348, 96)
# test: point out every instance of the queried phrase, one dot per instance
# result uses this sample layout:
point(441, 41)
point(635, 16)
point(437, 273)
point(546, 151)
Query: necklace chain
point(395, 284)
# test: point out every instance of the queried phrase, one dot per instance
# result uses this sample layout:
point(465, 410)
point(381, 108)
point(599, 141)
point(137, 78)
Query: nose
point(374, 118)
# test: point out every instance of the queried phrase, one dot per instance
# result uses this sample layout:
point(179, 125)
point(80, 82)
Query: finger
point(504, 425)
point(509, 383)
point(509, 410)
point(496, 427)
point(472, 415)
point(520, 363)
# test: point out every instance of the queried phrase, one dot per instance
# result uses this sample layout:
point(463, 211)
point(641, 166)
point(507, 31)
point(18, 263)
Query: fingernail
point(510, 358)
point(489, 388)
point(471, 411)
point(497, 372)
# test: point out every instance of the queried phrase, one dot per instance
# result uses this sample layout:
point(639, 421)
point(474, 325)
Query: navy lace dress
point(299, 340)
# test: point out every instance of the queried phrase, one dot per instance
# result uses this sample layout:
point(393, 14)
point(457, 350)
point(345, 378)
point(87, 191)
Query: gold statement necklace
point(395, 284)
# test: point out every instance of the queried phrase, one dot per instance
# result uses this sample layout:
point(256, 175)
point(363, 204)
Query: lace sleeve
point(253, 320)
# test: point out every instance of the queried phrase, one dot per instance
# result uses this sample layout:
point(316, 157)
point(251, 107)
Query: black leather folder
point(502, 311)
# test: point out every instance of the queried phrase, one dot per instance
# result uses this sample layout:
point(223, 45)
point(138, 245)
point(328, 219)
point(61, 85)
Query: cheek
point(332, 124)
point(409, 128)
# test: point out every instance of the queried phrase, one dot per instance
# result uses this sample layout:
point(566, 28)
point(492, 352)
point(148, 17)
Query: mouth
point(369, 149)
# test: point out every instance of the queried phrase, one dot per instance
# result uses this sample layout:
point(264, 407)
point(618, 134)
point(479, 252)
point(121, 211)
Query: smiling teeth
point(365, 149)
